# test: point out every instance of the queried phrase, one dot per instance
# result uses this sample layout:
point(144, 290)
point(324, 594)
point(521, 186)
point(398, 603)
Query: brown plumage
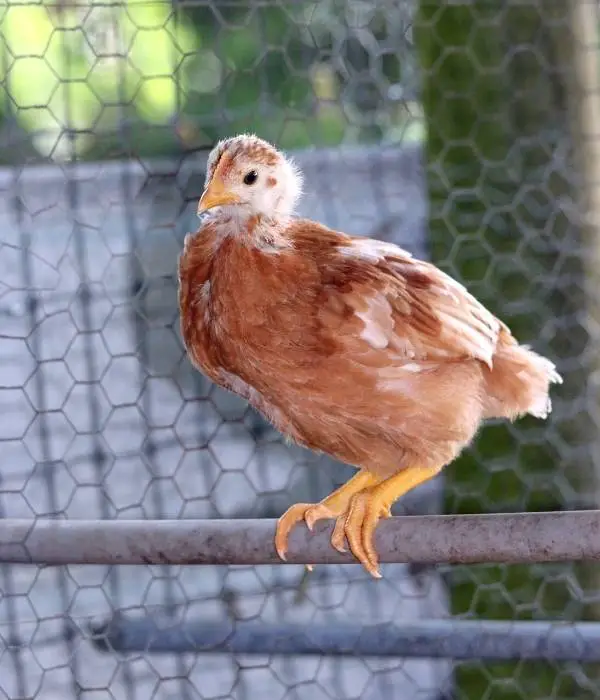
point(347, 345)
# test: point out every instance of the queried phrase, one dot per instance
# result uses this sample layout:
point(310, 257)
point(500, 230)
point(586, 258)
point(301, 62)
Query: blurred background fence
point(466, 132)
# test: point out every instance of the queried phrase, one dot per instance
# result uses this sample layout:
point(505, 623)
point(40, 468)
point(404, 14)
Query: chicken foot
point(334, 506)
point(373, 503)
point(357, 505)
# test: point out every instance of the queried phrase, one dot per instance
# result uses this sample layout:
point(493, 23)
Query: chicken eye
point(251, 177)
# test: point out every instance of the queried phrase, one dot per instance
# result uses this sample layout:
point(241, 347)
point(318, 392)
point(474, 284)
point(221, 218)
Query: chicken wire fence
point(465, 133)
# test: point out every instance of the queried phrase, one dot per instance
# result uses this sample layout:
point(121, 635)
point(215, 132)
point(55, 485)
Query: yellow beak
point(215, 195)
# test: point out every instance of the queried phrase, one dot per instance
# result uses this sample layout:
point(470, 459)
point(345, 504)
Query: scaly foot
point(309, 512)
point(313, 512)
point(371, 504)
point(365, 511)
point(334, 506)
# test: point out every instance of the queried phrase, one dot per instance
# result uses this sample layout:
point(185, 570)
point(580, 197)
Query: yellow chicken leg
point(334, 506)
point(373, 503)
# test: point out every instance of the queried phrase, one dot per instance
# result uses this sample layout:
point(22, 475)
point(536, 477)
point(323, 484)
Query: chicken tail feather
point(519, 383)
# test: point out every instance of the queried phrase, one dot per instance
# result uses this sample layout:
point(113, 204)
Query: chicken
point(347, 345)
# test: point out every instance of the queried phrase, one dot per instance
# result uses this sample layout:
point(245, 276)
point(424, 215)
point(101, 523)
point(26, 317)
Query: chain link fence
point(465, 132)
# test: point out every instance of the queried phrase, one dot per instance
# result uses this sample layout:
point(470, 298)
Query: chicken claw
point(334, 506)
point(338, 537)
point(358, 506)
point(371, 504)
point(313, 512)
point(309, 512)
point(366, 509)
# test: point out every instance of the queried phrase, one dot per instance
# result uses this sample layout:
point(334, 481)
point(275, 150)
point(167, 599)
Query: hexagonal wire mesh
point(107, 111)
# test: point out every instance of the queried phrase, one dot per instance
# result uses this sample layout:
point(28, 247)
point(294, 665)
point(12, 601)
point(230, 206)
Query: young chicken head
point(252, 178)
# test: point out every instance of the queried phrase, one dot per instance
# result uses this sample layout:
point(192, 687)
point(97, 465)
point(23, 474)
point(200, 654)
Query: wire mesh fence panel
point(463, 132)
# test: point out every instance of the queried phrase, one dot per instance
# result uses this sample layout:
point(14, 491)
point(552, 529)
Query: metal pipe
point(449, 639)
point(520, 537)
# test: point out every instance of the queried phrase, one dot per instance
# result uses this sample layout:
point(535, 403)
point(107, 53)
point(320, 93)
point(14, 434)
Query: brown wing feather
point(449, 321)
point(405, 305)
